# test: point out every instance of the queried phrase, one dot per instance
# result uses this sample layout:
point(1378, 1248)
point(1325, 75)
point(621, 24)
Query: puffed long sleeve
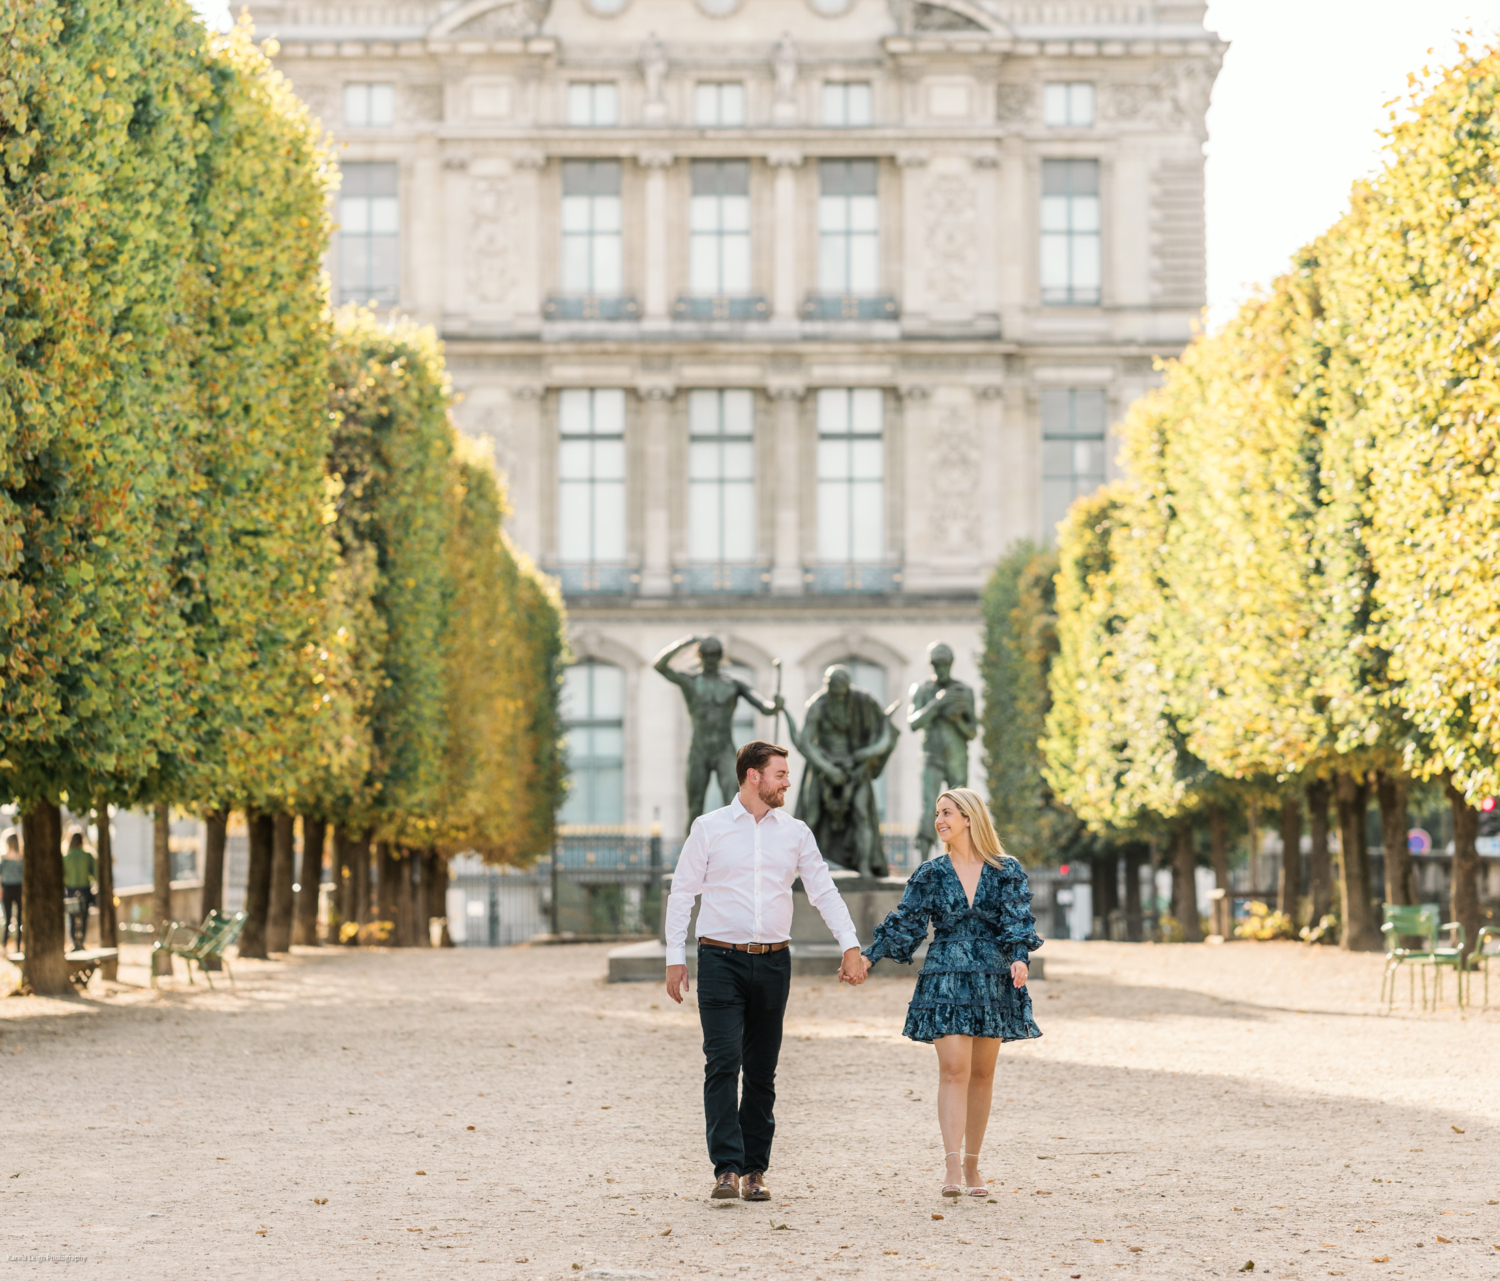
point(905, 930)
point(1018, 936)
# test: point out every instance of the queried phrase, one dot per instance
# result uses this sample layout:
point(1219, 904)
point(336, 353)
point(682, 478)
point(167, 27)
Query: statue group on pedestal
point(846, 739)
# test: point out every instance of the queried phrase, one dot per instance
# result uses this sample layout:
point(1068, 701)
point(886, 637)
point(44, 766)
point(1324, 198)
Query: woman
point(11, 875)
point(971, 993)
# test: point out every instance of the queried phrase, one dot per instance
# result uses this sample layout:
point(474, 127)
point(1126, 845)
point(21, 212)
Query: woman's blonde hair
point(981, 828)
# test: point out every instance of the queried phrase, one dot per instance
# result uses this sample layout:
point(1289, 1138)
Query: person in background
point(79, 870)
point(11, 866)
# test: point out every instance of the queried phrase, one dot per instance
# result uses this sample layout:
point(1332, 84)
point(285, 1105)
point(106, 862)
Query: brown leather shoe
point(754, 1188)
point(726, 1187)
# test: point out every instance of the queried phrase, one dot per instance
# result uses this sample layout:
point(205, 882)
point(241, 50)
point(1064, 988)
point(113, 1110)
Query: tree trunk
point(215, 842)
point(109, 914)
point(1391, 791)
point(161, 884)
point(1289, 882)
point(1102, 886)
point(422, 869)
point(406, 909)
point(1319, 877)
point(257, 885)
point(437, 895)
point(43, 922)
point(283, 877)
point(1222, 922)
point(338, 898)
point(1352, 795)
point(384, 892)
point(305, 921)
point(1134, 927)
point(1185, 882)
point(1464, 901)
point(359, 847)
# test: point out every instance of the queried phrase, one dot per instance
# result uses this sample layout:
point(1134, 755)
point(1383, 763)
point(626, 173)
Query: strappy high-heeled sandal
point(954, 1190)
point(978, 1190)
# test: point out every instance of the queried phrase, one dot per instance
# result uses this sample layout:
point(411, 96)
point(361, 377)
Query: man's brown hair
point(754, 755)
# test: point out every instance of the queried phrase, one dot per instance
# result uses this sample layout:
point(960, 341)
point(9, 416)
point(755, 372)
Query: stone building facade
point(785, 317)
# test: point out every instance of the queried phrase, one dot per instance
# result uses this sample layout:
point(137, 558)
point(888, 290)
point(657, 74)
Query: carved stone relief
point(494, 214)
point(421, 104)
point(955, 459)
point(951, 235)
point(1175, 97)
point(1015, 103)
point(518, 18)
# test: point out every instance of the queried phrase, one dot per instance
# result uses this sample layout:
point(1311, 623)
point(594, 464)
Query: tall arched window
point(594, 712)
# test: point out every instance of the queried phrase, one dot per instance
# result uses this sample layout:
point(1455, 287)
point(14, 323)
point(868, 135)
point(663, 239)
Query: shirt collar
point(738, 810)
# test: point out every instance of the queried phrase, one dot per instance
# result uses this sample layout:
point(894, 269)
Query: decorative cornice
point(655, 159)
point(784, 158)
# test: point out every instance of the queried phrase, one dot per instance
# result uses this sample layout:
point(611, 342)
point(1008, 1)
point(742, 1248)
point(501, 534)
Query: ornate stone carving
point(940, 15)
point(784, 67)
point(1015, 104)
point(955, 457)
point(653, 67)
point(1175, 97)
point(516, 18)
point(783, 158)
point(421, 104)
point(494, 213)
point(951, 236)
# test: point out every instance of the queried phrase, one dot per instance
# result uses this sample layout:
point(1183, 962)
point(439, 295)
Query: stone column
point(786, 482)
point(656, 546)
point(784, 274)
point(908, 473)
point(654, 303)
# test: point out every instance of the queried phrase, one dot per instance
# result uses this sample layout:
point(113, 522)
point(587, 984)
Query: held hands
point(854, 967)
point(677, 982)
point(1018, 973)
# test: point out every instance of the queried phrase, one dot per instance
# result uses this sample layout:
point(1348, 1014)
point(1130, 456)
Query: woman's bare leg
point(977, 1101)
point(953, 1094)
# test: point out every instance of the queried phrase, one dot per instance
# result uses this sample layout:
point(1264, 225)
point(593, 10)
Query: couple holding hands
point(970, 996)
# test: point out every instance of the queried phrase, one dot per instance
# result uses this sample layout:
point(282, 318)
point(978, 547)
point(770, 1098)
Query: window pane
point(604, 212)
point(1089, 412)
point(867, 406)
point(575, 264)
point(703, 263)
point(1054, 262)
point(738, 459)
point(1081, 104)
point(354, 215)
point(834, 461)
point(739, 413)
point(703, 213)
point(1088, 460)
point(384, 215)
point(382, 105)
point(609, 692)
point(704, 461)
point(867, 459)
point(864, 264)
point(354, 268)
point(385, 268)
point(606, 104)
point(609, 521)
point(575, 459)
point(1056, 496)
point(735, 266)
point(609, 411)
point(1057, 459)
point(608, 265)
point(861, 105)
point(739, 522)
point(1057, 411)
point(732, 104)
point(868, 518)
point(1055, 213)
point(1084, 213)
point(1055, 104)
point(833, 520)
point(703, 522)
point(706, 104)
point(703, 413)
point(573, 540)
point(734, 213)
point(1086, 268)
point(576, 214)
point(357, 105)
point(864, 213)
point(609, 458)
point(574, 417)
point(580, 104)
point(833, 411)
point(833, 105)
point(833, 256)
point(833, 214)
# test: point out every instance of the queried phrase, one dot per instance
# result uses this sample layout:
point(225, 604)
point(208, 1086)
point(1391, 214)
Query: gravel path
point(506, 1114)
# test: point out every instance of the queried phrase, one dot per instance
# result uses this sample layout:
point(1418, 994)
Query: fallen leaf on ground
point(1383, 1258)
point(1455, 1129)
point(320, 1200)
point(468, 1127)
point(667, 1233)
point(1445, 1240)
point(937, 1216)
point(1249, 1266)
point(421, 1171)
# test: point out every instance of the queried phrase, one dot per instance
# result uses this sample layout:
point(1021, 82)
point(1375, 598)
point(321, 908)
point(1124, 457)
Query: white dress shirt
point(745, 870)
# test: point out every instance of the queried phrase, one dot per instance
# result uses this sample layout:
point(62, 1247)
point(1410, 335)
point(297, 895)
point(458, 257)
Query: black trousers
point(10, 904)
point(741, 1001)
point(78, 922)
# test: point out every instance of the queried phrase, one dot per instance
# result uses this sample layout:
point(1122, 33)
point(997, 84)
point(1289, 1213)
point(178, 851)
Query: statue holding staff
point(846, 738)
point(711, 698)
point(942, 711)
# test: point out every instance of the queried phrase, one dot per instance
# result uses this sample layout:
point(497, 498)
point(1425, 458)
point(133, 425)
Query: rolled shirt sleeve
point(687, 884)
point(821, 893)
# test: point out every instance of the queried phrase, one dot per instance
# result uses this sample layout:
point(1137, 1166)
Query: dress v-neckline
point(968, 902)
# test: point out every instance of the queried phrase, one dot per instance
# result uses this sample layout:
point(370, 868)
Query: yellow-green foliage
point(1262, 924)
point(390, 453)
point(1415, 269)
point(275, 717)
point(503, 777)
point(99, 130)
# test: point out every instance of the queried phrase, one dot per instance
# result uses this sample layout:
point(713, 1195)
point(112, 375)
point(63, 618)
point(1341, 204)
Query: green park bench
point(81, 964)
point(199, 943)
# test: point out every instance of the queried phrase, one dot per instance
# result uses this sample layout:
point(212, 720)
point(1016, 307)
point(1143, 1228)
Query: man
point(711, 699)
point(79, 869)
point(942, 711)
point(743, 859)
point(847, 739)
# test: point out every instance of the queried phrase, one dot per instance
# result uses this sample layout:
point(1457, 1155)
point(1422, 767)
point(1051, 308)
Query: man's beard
point(775, 797)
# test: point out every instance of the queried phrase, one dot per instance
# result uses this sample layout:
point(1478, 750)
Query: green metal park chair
point(1479, 959)
point(200, 943)
point(1403, 922)
point(1448, 956)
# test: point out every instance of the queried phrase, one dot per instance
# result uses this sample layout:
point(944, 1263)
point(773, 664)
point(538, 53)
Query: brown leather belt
point(755, 949)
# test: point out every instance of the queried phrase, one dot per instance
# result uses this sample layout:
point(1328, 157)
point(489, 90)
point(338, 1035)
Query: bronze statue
point(846, 739)
point(942, 710)
point(711, 698)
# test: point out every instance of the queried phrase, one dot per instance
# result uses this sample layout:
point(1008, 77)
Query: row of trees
point(1292, 598)
point(245, 562)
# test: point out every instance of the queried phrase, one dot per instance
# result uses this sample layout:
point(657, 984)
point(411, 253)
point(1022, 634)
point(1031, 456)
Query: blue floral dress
point(964, 988)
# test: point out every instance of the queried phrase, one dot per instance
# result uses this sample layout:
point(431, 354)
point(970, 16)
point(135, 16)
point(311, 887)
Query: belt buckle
point(755, 949)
